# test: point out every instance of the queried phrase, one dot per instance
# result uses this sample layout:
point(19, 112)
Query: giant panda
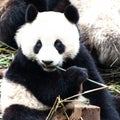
point(32, 82)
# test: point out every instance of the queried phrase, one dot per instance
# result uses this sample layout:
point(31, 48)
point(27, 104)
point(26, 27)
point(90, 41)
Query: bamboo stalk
point(7, 45)
point(53, 109)
point(86, 92)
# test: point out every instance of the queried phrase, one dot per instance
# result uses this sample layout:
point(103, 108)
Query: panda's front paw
point(76, 75)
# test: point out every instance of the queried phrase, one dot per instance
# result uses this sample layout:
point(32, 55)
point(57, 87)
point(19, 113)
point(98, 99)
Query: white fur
point(100, 27)
point(13, 93)
point(48, 27)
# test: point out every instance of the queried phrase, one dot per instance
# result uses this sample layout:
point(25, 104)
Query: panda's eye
point(59, 46)
point(37, 46)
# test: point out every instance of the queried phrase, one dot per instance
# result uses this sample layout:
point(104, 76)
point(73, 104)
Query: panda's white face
point(49, 40)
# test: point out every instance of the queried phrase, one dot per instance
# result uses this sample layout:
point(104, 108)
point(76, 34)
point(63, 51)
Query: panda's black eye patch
point(37, 46)
point(59, 46)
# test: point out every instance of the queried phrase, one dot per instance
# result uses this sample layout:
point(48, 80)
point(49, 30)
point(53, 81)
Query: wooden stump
point(79, 112)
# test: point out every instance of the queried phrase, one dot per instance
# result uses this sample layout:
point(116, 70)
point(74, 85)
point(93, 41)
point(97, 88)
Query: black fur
point(45, 86)
point(31, 13)
point(37, 47)
point(41, 5)
point(59, 46)
point(32, 76)
point(72, 14)
point(57, 5)
point(11, 21)
point(19, 112)
point(50, 85)
point(117, 102)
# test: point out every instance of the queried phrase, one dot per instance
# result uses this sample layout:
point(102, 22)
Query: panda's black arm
point(101, 98)
point(19, 112)
point(57, 85)
point(12, 19)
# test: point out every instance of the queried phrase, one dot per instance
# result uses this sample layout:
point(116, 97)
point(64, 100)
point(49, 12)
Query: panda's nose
point(47, 62)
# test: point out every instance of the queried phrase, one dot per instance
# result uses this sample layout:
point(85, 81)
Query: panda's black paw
point(76, 75)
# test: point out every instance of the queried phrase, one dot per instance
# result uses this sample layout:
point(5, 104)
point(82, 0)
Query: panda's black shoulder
point(85, 60)
point(22, 67)
point(84, 55)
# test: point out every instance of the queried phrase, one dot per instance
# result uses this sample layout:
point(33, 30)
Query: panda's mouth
point(49, 68)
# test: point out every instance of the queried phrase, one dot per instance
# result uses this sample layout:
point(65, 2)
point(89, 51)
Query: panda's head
point(49, 37)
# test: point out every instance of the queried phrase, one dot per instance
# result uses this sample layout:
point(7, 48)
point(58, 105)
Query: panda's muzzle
point(48, 65)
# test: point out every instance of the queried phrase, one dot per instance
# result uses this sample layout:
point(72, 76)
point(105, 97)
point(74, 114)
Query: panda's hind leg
point(20, 112)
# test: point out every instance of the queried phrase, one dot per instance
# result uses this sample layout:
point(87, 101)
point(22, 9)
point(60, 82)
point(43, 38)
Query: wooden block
point(79, 112)
point(85, 112)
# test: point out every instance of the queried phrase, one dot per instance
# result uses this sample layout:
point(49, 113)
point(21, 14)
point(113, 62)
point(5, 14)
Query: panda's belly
point(13, 93)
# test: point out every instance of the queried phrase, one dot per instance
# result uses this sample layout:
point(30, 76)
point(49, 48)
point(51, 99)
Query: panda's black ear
point(71, 13)
point(31, 13)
